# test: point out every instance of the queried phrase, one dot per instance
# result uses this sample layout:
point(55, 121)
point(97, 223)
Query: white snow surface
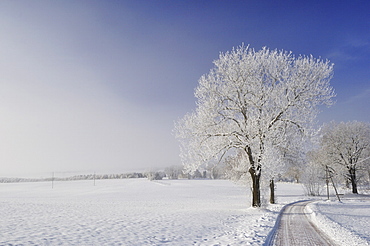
point(346, 222)
point(142, 212)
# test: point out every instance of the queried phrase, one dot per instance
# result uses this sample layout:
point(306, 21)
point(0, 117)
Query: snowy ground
point(347, 222)
point(142, 212)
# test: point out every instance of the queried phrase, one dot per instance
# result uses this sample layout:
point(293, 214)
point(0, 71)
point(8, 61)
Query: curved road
point(294, 228)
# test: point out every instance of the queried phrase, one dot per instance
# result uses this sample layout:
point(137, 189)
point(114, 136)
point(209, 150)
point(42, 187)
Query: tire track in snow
point(294, 228)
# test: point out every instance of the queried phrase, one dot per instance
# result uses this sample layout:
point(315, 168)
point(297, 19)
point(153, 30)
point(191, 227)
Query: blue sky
point(96, 85)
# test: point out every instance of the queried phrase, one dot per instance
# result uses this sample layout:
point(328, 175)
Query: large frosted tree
point(250, 101)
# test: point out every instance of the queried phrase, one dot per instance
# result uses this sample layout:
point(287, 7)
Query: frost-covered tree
point(154, 175)
point(347, 144)
point(313, 174)
point(247, 102)
point(173, 172)
point(280, 156)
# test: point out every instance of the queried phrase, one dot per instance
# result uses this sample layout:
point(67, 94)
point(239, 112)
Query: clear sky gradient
point(97, 85)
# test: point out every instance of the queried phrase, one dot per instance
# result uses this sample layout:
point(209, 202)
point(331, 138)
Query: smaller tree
point(153, 175)
point(313, 174)
point(173, 172)
point(274, 159)
point(348, 146)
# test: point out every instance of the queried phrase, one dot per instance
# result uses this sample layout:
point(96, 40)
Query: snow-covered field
point(142, 212)
point(347, 222)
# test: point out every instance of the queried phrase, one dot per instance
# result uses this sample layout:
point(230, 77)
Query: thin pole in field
point(327, 180)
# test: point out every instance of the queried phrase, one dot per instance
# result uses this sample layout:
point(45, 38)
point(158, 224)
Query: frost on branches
point(253, 101)
point(347, 148)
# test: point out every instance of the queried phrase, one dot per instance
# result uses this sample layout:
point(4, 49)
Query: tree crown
point(253, 100)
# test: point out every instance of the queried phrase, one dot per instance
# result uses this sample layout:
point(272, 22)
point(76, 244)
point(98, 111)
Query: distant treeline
point(76, 177)
point(173, 172)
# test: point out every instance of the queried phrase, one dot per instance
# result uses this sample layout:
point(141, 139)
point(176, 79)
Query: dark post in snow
point(272, 191)
point(94, 178)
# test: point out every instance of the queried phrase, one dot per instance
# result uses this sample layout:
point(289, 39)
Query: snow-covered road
point(294, 228)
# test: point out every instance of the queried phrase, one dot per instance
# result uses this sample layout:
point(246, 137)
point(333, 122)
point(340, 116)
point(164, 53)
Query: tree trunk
point(272, 191)
point(255, 171)
point(256, 193)
point(352, 177)
point(347, 182)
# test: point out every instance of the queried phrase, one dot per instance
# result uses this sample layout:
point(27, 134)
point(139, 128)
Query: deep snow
point(142, 212)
